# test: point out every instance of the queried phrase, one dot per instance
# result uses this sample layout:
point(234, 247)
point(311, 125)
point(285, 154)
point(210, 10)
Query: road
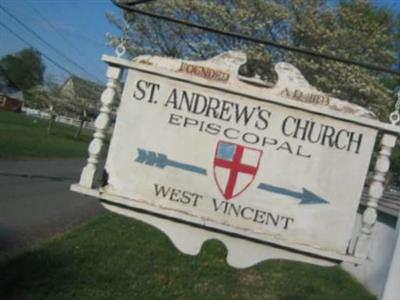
point(36, 204)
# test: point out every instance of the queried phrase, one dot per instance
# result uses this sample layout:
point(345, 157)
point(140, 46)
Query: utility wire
point(39, 14)
point(46, 43)
point(54, 28)
point(29, 44)
point(129, 6)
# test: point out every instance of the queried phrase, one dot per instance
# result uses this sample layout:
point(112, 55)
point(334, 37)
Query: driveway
point(36, 204)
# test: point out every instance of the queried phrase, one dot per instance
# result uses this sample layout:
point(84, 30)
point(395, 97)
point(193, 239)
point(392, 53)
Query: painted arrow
point(306, 197)
point(161, 161)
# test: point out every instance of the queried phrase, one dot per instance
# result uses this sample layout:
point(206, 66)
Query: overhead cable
point(130, 6)
point(29, 44)
point(48, 44)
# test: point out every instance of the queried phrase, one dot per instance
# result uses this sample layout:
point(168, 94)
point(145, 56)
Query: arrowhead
point(309, 197)
point(141, 156)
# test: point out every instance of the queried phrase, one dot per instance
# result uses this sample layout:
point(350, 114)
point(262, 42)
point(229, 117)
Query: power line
point(46, 43)
point(54, 28)
point(38, 13)
point(130, 7)
point(29, 44)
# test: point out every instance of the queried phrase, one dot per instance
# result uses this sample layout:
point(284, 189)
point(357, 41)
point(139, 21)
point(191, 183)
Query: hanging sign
point(195, 145)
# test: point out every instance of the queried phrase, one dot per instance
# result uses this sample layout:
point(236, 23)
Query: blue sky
point(77, 28)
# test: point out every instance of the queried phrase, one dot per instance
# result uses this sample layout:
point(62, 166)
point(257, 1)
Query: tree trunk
point(79, 131)
point(50, 124)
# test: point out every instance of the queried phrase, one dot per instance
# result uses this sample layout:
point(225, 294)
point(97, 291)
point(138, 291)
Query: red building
point(11, 98)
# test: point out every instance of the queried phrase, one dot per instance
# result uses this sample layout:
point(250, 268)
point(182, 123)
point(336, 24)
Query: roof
point(83, 88)
point(10, 90)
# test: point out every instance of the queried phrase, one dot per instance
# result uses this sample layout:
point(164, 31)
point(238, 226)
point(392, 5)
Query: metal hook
point(120, 50)
point(395, 116)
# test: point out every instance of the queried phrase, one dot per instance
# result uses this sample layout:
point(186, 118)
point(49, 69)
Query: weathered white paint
point(392, 288)
point(375, 193)
point(373, 272)
point(90, 173)
point(141, 124)
point(156, 144)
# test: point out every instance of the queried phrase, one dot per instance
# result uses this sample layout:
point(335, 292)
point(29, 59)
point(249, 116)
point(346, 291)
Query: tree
point(353, 29)
point(46, 97)
point(81, 99)
point(25, 68)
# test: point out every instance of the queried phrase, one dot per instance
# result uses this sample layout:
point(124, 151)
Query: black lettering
point(187, 101)
point(285, 124)
point(231, 137)
point(356, 140)
point(285, 146)
point(232, 207)
point(226, 114)
point(174, 194)
point(139, 94)
point(186, 197)
point(200, 104)
point(217, 206)
point(299, 153)
point(258, 214)
point(153, 87)
point(311, 131)
point(301, 128)
point(161, 190)
point(174, 119)
point(269, 141)
point(248, 136)
point(213, 129)
point(337, 140)
point(271, 217)
point(172, 100)
point(262, 122)
point(243, 114)
point(190, 122)
point(213, 106)
point(287, 222)
point(242, 213)
point(196, 198)
point(329, 132)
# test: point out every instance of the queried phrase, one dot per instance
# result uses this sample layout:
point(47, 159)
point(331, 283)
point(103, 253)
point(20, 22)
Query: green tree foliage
point(355, 30)
point(25, 68)
point(352, 29)
point(46, 98)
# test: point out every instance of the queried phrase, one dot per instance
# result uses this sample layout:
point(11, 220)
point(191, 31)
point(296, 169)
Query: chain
point(395, 116)
point(120, 50)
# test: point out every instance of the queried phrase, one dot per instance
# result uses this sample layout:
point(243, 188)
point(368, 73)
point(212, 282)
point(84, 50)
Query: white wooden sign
point(200, 153)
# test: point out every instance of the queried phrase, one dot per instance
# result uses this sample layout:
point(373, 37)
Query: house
point(11, 97)
point(81, 96)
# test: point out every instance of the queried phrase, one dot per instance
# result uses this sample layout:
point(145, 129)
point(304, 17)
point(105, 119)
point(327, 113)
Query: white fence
point(60, 119)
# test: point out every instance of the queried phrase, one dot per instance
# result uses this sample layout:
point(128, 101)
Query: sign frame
point(180, 231)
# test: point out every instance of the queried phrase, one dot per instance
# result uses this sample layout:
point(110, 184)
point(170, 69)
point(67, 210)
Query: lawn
point(23, 136)
point(114, 257)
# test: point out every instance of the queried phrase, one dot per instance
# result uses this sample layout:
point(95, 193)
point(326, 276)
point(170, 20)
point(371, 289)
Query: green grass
point(23, 136)
point(114, 257)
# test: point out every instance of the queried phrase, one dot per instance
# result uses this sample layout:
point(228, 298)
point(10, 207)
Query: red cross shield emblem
point(235, 167)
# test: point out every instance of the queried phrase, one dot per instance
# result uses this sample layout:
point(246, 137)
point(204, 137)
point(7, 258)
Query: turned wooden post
point(374, 194)
point(89, 174)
